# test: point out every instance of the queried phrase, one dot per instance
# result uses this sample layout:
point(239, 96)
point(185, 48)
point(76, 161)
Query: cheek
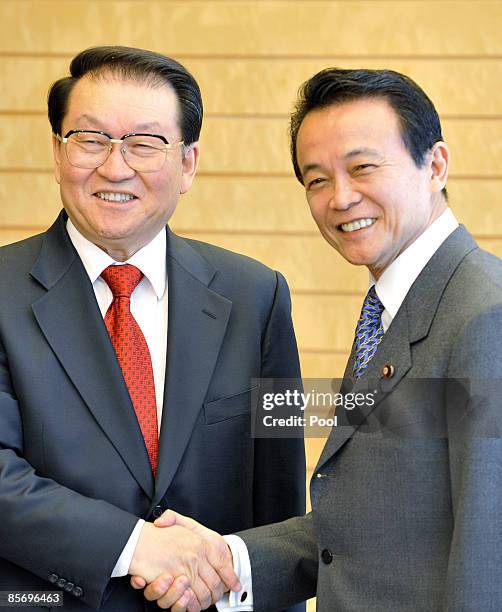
point(162, 183)
point(157, 191)
point(161, 197)
point(401, 228)
point(57, 173)
point(74, 193)
point(317, 206)
point(73, 178)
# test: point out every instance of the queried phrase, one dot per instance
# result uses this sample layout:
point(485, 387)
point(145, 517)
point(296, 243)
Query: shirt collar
point(151, 259)
point(398, 278)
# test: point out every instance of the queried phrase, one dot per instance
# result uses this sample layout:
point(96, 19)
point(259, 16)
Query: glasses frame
point(167, 146)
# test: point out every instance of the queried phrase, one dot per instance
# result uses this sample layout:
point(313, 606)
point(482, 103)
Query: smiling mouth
point(114, 196)
point(358, 224)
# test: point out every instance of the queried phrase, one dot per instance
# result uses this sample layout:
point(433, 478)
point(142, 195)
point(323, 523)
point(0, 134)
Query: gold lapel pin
point(388, 370)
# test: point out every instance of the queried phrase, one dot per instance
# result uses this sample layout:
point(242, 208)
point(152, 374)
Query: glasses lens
point(87, 149)
point(144, 153)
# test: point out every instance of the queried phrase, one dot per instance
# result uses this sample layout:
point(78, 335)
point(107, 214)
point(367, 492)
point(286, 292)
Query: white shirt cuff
point(243, 600)
point(124, 561)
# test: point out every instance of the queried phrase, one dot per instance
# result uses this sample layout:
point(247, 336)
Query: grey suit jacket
point(74, 472)
point(407, 494)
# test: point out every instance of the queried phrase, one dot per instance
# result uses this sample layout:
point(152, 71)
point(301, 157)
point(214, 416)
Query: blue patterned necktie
point(369, 331)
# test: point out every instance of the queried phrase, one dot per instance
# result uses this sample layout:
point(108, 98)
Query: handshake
point(181, 564)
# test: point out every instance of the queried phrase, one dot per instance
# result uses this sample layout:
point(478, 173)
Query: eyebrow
point(362, 151)
point(148, 126)
point(353, 153)
point(309, 167)
point(139, 126)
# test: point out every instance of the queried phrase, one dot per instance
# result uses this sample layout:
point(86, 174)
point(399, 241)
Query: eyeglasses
point(91, 148)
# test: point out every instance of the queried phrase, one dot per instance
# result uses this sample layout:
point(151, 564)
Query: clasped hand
point(181, 564)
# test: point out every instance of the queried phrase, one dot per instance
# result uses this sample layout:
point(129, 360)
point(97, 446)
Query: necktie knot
point(369, 331)
point(372, 308)
point(122, 280)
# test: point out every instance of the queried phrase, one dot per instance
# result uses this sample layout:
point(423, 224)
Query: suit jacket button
point(78, 592)
point(158, 511)
point(69, 587)
point(326, 556)
point(53, 578)
point(61, 583)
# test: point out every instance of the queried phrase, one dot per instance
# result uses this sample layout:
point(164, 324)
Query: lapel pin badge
point(388, 370)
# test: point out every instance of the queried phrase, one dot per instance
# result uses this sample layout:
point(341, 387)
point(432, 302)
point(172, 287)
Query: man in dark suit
point(126, 357)
point(406, 495)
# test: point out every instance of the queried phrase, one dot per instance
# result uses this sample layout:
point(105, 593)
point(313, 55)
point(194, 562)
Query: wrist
point(138, 555)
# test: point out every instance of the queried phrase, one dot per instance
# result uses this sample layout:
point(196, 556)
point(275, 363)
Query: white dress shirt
point(391, 288)
point(149, 308)
point(397, 279)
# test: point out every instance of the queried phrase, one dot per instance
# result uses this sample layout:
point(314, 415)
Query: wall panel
point(255, 146)
point(253, 86)
point(318, 364)
point(273, 205)
point(308, 262)
point(256, 28)
point(13, 235)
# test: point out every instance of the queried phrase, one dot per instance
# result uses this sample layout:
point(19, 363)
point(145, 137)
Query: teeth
point(115, 197)
point(358, 224)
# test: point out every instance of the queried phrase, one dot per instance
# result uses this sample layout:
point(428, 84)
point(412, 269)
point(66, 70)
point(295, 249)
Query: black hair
point(419, 121)
point(137, 64)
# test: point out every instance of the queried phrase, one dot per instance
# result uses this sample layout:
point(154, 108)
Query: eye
point(143, 146)
point(87, 142)
point(363, 167)
point(315, 183)
point(87, 139)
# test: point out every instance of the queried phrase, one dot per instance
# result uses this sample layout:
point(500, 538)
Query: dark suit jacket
point(74, 472)
point(407, 493)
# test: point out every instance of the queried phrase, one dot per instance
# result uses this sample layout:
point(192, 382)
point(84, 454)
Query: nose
point(115, 167)
point(343, 195)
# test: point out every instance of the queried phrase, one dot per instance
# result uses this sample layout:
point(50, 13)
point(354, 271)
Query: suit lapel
point(198, 319)
point(411, 324)
point(394, 349)
point(69, 318)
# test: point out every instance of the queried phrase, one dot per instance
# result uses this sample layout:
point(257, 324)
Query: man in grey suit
point(126, 358)
point(407, 493)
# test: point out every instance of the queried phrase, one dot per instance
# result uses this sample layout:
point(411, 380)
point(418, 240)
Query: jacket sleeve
point(279, 478)
point(75, 537)
point(474, 420)
point(284, 562)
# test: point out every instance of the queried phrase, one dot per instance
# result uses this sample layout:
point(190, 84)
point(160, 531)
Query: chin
point(356, 259)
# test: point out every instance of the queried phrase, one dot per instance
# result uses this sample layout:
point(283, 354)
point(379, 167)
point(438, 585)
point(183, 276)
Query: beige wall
point(249, 58)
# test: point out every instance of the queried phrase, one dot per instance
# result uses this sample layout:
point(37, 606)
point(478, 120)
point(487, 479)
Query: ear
point(189, 165)
point(439, 162)
point(57, 152)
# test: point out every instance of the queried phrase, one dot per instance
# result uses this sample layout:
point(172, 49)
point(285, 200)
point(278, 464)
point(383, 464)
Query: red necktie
point(132, 352)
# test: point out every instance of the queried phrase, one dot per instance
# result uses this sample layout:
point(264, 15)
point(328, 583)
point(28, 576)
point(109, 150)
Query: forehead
point(340, 128)
point(109, 102)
